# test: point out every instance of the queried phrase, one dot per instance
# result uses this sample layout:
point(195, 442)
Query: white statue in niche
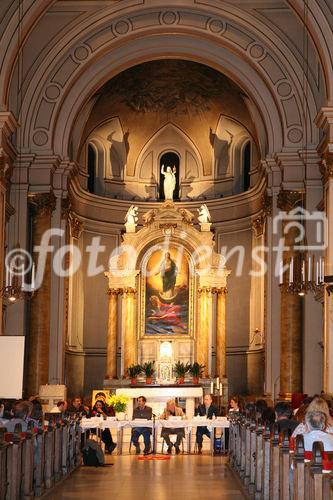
point(169, 181)
point(131, 219)
point(204, 215)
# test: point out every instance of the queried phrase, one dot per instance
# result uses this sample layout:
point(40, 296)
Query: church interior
point(166, 227)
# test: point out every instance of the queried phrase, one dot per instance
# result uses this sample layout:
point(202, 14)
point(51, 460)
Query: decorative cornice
point(42, 203)
point(288, 200)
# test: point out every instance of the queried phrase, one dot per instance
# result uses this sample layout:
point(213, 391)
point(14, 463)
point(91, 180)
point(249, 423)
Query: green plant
point(134, 370)
point(196, 369)
point(181, 368)
point(118, 402)
point(148, 368)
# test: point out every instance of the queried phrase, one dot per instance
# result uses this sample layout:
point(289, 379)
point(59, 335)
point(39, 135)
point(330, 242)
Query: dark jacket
point(212, 410)
point(146, 412)
point(287, 423)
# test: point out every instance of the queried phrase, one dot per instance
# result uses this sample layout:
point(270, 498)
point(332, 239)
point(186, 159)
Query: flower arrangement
point(118, 402)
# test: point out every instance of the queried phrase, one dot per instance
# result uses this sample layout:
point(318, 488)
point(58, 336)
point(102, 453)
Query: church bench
point(275, 465)
point(34, 461)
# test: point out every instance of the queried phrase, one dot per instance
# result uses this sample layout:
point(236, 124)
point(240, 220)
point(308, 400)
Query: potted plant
point(196, 371)
point(181, 369)
point(133, 371)
point(119, 404)
point(149, 370)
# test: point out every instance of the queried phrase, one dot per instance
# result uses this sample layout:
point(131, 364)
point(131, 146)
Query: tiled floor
point(183, 477)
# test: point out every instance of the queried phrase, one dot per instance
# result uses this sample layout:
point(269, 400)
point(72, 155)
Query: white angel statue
point(204, 215)
point(132, 215)
point(169, 181)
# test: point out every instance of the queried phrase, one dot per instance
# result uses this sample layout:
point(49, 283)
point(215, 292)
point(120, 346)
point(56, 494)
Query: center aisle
point(183, 476)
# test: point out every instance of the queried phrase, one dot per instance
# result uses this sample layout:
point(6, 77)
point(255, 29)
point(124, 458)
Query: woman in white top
point(317, 404)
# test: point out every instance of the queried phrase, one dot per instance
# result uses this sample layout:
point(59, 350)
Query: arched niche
point(228, 142)
point(168, 139)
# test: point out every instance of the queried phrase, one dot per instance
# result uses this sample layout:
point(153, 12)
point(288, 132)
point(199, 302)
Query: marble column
point(129, 330)
point(111, 353)
point(204, 326)
point(2, 229)
point(42, 206)
point(290, 309)
point(327, 173)
point(221, 367)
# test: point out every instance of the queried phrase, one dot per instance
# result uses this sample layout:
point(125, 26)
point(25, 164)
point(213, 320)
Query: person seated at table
point(172, 410)
point(101, 410)
point(142, 411)
point(207, 409)
point(78, 408)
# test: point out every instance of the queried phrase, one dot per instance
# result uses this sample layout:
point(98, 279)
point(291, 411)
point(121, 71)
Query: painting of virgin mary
point(167, 293)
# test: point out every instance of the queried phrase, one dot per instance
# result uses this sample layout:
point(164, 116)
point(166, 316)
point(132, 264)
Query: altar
point(158, 395)
point(167, 304)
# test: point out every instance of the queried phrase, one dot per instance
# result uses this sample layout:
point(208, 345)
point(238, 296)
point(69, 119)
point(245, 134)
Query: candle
point(221, 390)
point(303, 271)
point(322, 271)
point(218, 383)
point(212, 387)
point(317, 272)
point(291, 270)
point(309, 268)
point(281, 272)
point(33, 276)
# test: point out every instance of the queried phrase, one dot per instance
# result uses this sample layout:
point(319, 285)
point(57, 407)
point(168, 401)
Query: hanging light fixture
point(16, 287)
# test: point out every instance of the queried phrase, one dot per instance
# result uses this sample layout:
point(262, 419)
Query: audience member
point(145, 412)
point(283, 414)
point(316, 423)
point(208, 410)
point(172, 410)
point(60, 407)
point(317, 404)
point(21, 412)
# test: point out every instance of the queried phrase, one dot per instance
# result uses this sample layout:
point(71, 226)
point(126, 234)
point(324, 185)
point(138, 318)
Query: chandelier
point(302, 274)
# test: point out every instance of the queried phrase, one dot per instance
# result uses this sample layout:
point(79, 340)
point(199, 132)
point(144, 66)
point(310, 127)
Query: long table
point(157, 425)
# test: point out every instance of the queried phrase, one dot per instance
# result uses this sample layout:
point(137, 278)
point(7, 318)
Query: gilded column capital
point(267, 204)
point(42, 203)
point(114, 291)
point(221, 290)
point(326, 167)
point(128, 290)
point(258, 225)
point(288, 200)
point(75, 226)
point(65, 208)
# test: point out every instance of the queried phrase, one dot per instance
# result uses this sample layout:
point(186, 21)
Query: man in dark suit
point(142, 411)
point(208, 410)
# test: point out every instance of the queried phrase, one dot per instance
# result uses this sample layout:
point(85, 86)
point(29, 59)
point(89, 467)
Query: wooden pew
point(49, 455)
point(28, 450)
point(14, 465)
point(39, 484)
point(299, 469)
point(275, 465)
point(3, 464)
point(259, 462)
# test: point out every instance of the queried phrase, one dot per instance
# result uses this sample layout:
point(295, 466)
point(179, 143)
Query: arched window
point(91, 169)
point(169, 159)
point(246, 165)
